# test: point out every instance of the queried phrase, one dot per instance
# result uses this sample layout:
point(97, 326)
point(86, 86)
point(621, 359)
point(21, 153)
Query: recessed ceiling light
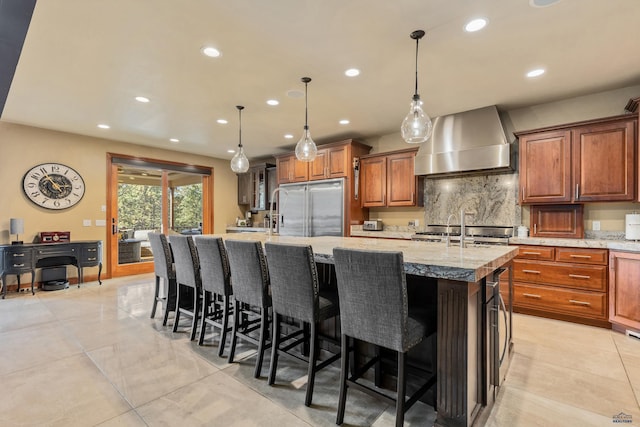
point(352, 72)
point(288, 136)
point(344, 122)
point(542, 3)
point(103, 126)
point(273, 102)
point(142, 99)
point(535, 73)
point(231, 151)
point(475, 25)
point(144, 174)
point(174, 140)
point(222, 121)
point(211, 52)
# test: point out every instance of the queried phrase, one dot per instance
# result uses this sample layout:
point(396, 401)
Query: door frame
point(113, 160)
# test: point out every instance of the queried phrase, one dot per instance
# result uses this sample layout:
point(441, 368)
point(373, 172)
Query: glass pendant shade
point(306, 150)
point(416, 126)
point(239, 162)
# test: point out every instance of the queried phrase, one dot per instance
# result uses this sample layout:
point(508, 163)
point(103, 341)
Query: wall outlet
point(86, 222)
point(416, 222)
point(595, 225)
point(103, 208)
point(101, 222)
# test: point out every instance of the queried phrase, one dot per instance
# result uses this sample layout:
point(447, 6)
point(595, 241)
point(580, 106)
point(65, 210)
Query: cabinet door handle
point(531, 253)
point(532, 296)
point(579, 276)
point(91, 259)
point(531, 271)
point(573, 301)
point(18, 265)
point(523, 193)
point(580, 256)
point(18, 255)
point(577, 191)
point(535, 228)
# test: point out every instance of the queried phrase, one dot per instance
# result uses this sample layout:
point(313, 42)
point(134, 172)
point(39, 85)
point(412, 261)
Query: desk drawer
point(589, 277)
point(91, 254)
point(591, 304)
point(18, 260)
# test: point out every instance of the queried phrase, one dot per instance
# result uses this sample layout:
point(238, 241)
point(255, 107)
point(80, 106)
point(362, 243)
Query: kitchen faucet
point(273, 197)
point(463, 231)
point(448, 239)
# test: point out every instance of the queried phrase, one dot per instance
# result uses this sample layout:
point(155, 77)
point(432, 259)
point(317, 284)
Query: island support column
point(460, 361)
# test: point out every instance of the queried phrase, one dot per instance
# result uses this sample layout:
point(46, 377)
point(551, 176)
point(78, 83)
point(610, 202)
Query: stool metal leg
point(400, 399)
point(263, 338)
point(275, 345)
point(344, 365)
point(313, 357)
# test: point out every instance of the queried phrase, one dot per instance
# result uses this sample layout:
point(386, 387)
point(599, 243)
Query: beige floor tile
point(571, 387)
point(515, 407)
point(146, 367)
point(217, 400)
point(66, 392)
point(626, 344)
point(23, 311)
point(35, 345)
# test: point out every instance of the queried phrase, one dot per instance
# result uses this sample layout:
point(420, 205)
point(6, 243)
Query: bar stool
point(189, 281)
point(371, 283)
point(165, 270)
point(250, 279)
point(296, 294)
point(216, 287)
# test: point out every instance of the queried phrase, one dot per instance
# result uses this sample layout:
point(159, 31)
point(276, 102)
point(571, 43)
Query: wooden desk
point(19, 259)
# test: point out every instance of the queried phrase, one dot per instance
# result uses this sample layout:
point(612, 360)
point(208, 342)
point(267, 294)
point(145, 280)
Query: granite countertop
point(434, 260)
point(617, 244)
point(247, 229)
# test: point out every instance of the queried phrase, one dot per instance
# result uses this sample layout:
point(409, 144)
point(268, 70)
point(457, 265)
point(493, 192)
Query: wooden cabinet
point(388, 180)
point(624, 290)
point(557, 221)
point(253, 187)
point(332, 161)
point(581, 162)
point(562, 283)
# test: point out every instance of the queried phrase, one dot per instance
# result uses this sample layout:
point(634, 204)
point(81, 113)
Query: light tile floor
point(92, 356)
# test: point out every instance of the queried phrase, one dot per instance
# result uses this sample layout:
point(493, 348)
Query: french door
point(146, 195)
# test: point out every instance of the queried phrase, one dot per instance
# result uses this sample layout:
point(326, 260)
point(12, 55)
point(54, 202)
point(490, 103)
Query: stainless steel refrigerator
point(313, 208)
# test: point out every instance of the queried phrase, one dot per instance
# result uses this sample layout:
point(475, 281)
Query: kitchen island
point(464, 392)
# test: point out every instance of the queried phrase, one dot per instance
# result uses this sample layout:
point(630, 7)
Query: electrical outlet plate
point(86, 222)
point(595, 225)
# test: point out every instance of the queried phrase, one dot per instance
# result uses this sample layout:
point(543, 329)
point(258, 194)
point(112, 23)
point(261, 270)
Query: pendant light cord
point(239, 107)
point(416, 91)
point(306, 113)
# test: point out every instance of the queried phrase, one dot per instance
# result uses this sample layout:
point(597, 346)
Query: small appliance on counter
point(372, 225)
point(632, 226)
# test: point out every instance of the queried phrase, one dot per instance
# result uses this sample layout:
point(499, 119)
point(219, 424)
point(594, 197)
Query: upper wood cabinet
point(582, 162)
point(253, 187)
point(334, 160)
point(388, 180)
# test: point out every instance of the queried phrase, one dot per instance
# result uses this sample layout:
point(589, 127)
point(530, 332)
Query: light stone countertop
point(434, 260)
point(383, 234)
point(618, 245)
point(247, 229)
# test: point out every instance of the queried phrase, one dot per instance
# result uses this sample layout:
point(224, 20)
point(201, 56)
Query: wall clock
point(53, 186)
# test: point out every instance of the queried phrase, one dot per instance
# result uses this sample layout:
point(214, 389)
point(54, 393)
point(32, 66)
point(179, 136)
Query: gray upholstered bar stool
point(295, 292)
point(216, 287)
point(252, 301)
point(185, 257)
point(165, 270)
point(374, 308)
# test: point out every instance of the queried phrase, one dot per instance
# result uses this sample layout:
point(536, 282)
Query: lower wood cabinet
point(624, 290)
point(562, 283)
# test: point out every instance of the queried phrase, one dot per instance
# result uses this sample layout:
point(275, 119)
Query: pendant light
point(306, 149)
point(416, 126)
point(240, 163)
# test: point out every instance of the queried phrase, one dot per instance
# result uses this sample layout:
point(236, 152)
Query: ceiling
point(84, 62)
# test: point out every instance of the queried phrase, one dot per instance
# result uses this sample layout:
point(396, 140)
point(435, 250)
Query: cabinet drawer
point(591, 304)
point(590, 277)
point(18, 260)
point(536, 252)
point(582, 256)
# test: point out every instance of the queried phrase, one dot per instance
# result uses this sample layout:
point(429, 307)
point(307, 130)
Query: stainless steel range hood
point(465, 142)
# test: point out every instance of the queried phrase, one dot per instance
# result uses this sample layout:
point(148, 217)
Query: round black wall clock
point(53, 186)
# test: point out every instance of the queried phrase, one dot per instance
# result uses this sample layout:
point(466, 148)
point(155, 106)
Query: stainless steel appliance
point(476, 235)
point(372, 225)
point(312, 209)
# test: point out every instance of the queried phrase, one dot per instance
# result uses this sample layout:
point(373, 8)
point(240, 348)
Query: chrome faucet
point(448, 238)
point(277, 217)
point(463, 231)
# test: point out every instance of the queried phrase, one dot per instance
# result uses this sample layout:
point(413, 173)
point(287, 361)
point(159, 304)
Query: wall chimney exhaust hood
point(466, 142)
